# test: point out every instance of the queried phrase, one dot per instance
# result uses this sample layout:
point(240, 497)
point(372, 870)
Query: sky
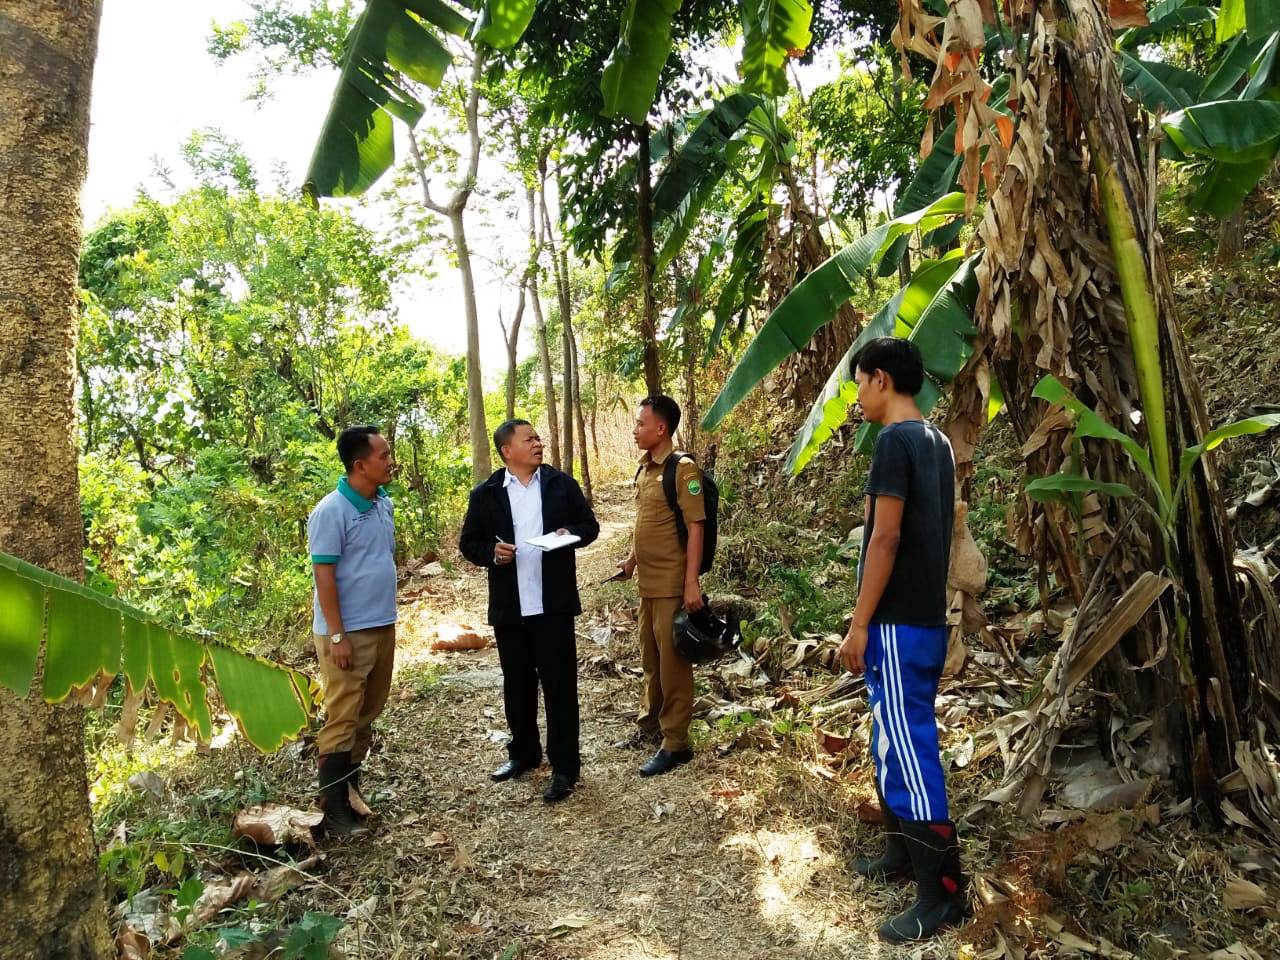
point(155, 82)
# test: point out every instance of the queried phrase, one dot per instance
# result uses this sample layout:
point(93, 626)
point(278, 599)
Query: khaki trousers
point(354, 698)
point(668, 677)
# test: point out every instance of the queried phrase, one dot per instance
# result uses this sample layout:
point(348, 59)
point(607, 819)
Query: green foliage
point(1239, 140)
point(629, 80)
point(391, 46)
point(500, 23)
point(226, 337)
point(838, 396)
point(772, 32)
point(814, 300)
point(85, 634)
point(870, 135)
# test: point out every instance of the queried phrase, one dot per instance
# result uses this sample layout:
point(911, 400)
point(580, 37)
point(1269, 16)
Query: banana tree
point(1088, 299)
point(85, 639)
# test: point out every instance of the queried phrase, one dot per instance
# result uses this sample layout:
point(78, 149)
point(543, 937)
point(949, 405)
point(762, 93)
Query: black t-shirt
point(913, 462)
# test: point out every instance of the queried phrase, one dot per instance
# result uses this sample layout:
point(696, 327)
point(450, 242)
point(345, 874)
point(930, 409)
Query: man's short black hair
point(897, 357)
point(506, 430)
point(665, 408)
point(353, 444)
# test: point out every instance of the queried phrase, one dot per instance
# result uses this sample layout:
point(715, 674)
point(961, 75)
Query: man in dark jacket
point(533, 598)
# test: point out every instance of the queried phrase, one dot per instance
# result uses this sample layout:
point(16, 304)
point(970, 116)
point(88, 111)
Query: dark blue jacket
point(489, 516)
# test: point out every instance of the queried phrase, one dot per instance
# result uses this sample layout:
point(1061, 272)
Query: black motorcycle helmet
point(703, 636)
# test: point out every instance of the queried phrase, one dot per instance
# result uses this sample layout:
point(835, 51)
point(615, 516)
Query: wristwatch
point(336, 638)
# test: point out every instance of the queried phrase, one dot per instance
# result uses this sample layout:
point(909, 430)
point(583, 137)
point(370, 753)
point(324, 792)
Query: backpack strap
point(669, 488)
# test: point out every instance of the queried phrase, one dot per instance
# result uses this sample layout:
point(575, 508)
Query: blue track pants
point(904, 665)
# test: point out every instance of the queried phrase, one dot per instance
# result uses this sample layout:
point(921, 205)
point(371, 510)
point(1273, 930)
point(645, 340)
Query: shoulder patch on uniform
point(695, 487)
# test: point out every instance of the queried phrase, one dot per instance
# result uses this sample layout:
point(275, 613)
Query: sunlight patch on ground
point(787, 862)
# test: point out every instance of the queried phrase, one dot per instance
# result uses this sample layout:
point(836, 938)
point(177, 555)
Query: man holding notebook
point(523, 525)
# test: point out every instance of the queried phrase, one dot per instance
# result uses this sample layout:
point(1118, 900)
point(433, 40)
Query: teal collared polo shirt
point(358, 536)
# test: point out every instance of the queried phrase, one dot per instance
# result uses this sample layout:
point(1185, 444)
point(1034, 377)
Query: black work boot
point(940, 884)
point(339, 819)
point(895, 863)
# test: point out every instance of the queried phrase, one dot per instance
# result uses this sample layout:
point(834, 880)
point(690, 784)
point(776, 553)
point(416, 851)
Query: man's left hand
point(853, 650)
point(693, 597)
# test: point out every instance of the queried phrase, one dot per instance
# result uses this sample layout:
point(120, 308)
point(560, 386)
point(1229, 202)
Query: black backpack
point(710, 500)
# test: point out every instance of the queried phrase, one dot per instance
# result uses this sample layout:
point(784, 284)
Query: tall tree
point(50, 900)
point(455, 210)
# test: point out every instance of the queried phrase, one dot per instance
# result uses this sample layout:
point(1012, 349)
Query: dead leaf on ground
point(274, 825)
point(833, 743)
point(132, 944)
point(567, 924)
point(457, 636)
point(1242, 894)
point(462, 859)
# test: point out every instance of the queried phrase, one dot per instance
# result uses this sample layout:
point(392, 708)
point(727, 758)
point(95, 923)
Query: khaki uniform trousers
point(354, 698)
point(668, 677)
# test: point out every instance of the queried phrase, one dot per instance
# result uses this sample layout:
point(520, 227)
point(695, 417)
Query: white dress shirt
point(526, 511)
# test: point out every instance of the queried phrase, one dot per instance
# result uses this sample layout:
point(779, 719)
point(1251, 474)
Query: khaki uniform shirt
point(660, 557)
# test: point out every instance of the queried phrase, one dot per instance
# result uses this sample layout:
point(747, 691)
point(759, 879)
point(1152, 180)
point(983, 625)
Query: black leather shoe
point(509, 771)
point(559, 788)
point(637, 740)
point(665, 760)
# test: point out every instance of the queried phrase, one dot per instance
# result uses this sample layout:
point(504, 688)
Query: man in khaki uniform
point(667, 579)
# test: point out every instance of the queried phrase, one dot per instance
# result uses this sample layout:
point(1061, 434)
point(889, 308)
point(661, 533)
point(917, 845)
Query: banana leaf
point(1238, 138)
point(84, 634)
point(1165, 18)
point(1059, 486)
point(838, 396)
point(772, 31)
point(1262, 17)
point(501, 23)
point(814, 301)
point(944, 332)
point(390, 44)
point(742, 282)
point(629, 81)
point(1231, 19)
point(1235, 63)
point(1159, 87)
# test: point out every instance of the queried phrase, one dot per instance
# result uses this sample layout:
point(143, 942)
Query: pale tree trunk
point(559, 270)
point(548, 377)
point(455, 208)
point(644, 217)
point(51, 904)
point(544, 349)
point(481, 466)
point(512, 339)
point(581, 419)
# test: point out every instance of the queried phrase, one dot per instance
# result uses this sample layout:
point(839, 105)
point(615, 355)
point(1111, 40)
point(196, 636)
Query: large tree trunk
point(481, 466)
point(644, 217)
point(51, 904)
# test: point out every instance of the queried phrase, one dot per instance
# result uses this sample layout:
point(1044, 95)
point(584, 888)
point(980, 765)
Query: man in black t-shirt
point(898, 635)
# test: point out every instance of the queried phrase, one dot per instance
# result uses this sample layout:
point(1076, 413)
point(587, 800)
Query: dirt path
point(731, 857)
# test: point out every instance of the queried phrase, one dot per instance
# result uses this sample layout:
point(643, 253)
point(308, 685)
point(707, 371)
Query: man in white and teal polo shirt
point(352, 540)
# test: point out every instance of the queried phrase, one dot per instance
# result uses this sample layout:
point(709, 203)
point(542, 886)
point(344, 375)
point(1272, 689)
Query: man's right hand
point(503, 553)
point(341, 654)
point(626, 568)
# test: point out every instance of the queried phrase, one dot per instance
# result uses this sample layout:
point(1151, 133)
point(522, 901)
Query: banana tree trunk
point(51, 900)
point(1074, 283)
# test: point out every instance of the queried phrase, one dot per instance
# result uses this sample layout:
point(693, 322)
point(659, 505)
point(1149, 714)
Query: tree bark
point(1230, 236)
point(481, 466)
point(649, 315)
point(512, 338)
point(582, 422)
point(548, 376)
point(455, 209)
point(51, 903)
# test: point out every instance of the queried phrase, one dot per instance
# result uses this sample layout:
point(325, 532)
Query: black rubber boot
point(940, 884)
point(339, 819)
point(895, 863)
